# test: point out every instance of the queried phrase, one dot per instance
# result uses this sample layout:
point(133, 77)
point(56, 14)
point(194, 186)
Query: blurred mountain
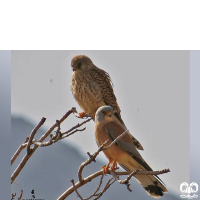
point(50, 170)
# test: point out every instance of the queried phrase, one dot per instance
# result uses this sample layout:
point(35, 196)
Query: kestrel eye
point(104, 112)
point(79, 65)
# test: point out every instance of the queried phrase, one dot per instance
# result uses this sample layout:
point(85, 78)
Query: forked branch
point(30, 141)
point(53, 138)
point(82, 181)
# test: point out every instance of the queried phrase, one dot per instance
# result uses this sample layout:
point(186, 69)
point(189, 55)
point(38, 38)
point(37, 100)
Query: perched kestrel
point(123, 151)
point(92, 88)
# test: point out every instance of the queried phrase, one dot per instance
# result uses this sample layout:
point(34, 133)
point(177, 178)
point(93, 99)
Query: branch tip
point(91, 156)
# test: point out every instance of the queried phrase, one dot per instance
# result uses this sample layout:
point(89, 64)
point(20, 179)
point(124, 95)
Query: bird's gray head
point(104, 113)
point(81, 63)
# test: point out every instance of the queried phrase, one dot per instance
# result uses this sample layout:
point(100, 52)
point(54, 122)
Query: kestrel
point(92, 88)
point(123, 151)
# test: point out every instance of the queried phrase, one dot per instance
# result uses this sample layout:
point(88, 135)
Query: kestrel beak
point(74, 68)
point(109, 114)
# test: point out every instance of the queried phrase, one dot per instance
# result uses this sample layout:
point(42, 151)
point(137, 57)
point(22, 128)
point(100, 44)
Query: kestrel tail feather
point(152, 185)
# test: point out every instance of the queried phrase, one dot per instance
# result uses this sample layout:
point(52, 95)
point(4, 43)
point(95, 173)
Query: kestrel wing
point(136, 143)
point(125, 142)
point(105, 91)
point(104, 82)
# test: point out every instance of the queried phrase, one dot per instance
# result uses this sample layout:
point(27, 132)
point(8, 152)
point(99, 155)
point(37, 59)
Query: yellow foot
point(81, 114)
point(105, 168)
point(113, 166)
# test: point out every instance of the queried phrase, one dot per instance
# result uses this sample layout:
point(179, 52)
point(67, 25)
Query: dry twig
point(33, 132)
point(20, 197)
point(82, 181)
point(115, 140)
point(13, 196)
point(21, 147)
point(30, 140)
point(60, 136)
point(89, 160)
point(85, 115)
point(109, 183)
point(76, 190)
point(98, 188)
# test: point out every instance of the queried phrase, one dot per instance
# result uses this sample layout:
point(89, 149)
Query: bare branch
point(74, 132)
point(78, 184)
point(33, 132)
point(21, 147)
point(89, 160)
point(30, 153)
point(20, 197)
point(115, 140)
point(13, 196)
point(76, 190)
point(84, 181)
point(84, 115)
point(145, 172)
point(98, 188)
point(74, 127)
point(98, 195)
point(87, 179)
point(91, 156)
point(126, 181)
point(109, 183)
point(58, 133)
point(60, 136)
point(137, 171)
point(99, 173)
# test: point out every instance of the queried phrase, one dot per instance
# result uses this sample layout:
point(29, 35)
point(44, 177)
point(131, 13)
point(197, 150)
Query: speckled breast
point(86, 92)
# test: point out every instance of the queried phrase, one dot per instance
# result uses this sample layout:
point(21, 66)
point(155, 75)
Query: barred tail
point(152, 185)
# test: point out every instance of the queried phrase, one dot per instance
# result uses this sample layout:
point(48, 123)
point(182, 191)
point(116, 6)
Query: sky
point(152, 90)
point(194, 116)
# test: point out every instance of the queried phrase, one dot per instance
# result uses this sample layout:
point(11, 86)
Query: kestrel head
point(81, 62)
point(104, 113)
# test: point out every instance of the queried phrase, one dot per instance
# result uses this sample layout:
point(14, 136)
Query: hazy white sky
point(152, 89)
point(194, 116)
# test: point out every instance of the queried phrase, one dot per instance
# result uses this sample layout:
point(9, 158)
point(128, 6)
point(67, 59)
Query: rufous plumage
point(123, 151)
